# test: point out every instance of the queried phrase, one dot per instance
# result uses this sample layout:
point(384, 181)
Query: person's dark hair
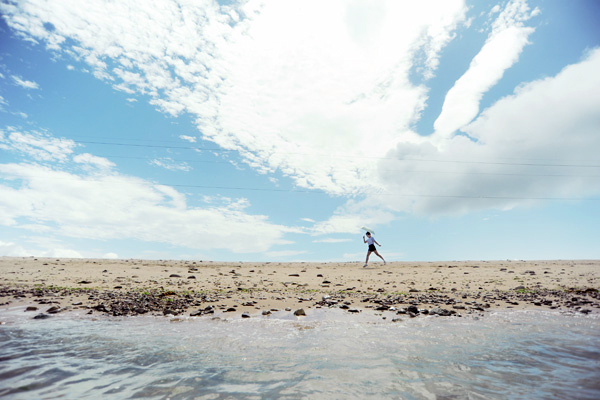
point(368, 233)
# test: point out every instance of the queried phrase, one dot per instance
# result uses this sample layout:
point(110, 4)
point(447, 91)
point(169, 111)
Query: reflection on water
point(326, 355)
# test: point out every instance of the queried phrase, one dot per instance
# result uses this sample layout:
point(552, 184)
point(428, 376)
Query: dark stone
point(440, 311)
point(174, 276)
point(84, 282)
point(41, 316)
point(100, 307)
point(191, 277)
point(230, 309)
point(53, 310)
point(245, 315)
point(294, 275)
point(31, 308)
point(412, 309)
point(300, 312)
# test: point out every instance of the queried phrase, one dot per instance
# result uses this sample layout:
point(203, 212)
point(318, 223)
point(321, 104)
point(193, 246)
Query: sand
point(118, 287)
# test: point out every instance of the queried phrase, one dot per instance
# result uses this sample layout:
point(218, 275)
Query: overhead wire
point(330, 155)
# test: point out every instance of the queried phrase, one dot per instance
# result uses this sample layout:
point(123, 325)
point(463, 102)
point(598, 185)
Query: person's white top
point(371, 240)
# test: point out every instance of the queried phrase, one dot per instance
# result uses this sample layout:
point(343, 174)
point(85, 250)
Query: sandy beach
point(251, 289)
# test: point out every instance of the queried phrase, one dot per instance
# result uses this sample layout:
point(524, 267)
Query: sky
point(276, 130)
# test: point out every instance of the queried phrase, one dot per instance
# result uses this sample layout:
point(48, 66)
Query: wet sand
point(206, 288)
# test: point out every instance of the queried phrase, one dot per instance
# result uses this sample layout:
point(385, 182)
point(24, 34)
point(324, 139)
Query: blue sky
point(252, 130)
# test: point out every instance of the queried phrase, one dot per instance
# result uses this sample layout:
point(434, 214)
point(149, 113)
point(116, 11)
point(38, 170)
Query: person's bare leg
point(367, 260)
point(379, 255)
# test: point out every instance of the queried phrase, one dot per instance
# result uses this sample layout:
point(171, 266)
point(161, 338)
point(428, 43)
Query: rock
point(41, 316)
point(245, 315)
point(412, 309)
point(439, 311)
point(191, 277)
point(230, 309)
point(294, 275)
point(266, 312)
point(174, 276)
point(397, 320)
point(31, 308)
point(413, 291)
point(300, 313)
point(100, 307)
point(521, 287)
point(84, 282)
point(53, 310)
point(196, 313)
point(354, 311)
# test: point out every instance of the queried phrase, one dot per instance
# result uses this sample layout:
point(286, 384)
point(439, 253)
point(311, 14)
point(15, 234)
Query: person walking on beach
point(371, 242)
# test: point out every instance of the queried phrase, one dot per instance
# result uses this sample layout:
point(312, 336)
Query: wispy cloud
point(40, 146)
point(500, 52)
point(332, 240)
point(171, 165)
point(25, 83)
point(190, 139)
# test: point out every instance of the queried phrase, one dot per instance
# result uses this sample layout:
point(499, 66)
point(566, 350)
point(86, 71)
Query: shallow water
point(327, 354)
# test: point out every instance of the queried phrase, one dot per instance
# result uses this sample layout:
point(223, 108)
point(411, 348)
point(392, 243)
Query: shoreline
point(239, 289)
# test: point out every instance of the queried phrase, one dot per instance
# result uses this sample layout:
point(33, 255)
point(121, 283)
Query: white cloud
point(190, 139)
point(552, 121)
point(114, 206)
point(10, 249)
point(44, 248)
point(89, 159)
point(309, 102)
point(170, 164)
point(112, 256)
point(25, 83)
point(39, 145)
point(500, 52)
point(332, 240)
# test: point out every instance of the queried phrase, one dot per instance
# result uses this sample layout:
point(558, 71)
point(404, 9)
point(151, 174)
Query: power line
point(320, 191)
point(378, 169)
point(218, 149)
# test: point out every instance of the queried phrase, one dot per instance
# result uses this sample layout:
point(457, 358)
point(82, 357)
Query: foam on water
point(327, 354)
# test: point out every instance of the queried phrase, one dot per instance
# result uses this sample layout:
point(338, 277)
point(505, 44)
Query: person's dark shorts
point(372, 247)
